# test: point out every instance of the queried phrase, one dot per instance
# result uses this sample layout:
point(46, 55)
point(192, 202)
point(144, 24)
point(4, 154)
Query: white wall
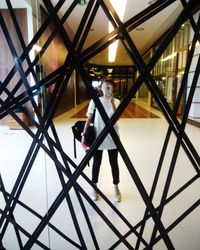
point(195, 107)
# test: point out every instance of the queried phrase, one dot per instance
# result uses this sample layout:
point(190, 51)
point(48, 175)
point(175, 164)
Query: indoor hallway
point(143, 140)
point(51, 51)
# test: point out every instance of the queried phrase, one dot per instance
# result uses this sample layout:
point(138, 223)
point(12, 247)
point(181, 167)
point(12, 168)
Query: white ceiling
point(153, 28)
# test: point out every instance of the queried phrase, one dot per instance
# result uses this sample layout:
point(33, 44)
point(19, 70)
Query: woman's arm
point(87, 124)
point(112, 101)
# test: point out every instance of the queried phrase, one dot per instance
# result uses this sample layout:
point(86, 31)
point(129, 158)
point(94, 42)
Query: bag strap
point(93, 116)
point(75, 155)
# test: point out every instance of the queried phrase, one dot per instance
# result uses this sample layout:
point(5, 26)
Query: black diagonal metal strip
point(48, 120)
point(177, 146)
point(36, 214)
point(103, 196)
point(83, 22)
point(131, 24)
point(141, 69)
point(18, 64)
point(165, 107)
point(22, 98)
point(16, 225)
point(49, 3)
point(60, 149)
point(11, 214)
point(178, 220)
point(34, 40)
point(36, 139)
point(169, 199)
point(192, 21)
point(21, 39)
point(88, 26)
point(166, 142)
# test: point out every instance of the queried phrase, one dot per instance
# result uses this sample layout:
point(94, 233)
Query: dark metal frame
point(77, 56)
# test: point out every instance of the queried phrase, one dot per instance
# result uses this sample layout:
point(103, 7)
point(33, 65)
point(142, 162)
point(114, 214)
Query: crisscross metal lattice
point(46, 138)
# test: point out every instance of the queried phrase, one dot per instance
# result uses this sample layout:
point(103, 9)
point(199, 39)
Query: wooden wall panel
point(81, 91)
point(52, 59)
point(6, 58)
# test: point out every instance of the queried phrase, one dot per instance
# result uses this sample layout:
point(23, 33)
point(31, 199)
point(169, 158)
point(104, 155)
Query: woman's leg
point(113, 155)
point(96, 165)
point(113, 159)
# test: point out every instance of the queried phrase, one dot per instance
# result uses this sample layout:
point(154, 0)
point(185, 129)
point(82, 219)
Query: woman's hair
point(108, 80)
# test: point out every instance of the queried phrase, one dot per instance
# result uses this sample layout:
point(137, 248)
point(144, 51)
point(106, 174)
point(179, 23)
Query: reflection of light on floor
point(133, 110)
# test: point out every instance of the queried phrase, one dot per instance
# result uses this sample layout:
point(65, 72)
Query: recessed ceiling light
point(110, 71)
point(152, 2)
point(37, 48)
point(82, 2)
point(119, 7)
point(139, 29)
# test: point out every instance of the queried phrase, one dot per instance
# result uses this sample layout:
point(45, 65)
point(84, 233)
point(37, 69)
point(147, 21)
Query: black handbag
point(90, 135)
point(77, 130)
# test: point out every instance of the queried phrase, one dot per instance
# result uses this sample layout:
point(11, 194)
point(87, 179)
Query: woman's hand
point(83, 138)
point(84, 146)
point(109, 96)
point(112, 101)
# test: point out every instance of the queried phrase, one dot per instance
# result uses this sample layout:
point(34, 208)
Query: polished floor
point(137, 109)
point(142, 138)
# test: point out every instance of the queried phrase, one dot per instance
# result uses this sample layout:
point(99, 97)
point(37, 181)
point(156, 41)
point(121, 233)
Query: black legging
point(113, 155)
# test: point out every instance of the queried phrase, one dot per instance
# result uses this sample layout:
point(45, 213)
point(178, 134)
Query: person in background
point(110, 104)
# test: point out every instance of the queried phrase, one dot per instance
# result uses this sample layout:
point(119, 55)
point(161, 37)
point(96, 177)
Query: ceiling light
point(82, 2)
point(180, 74)
point(152, 2)
point(139, 29)
point(37, 48)
point(112, 51)
point(98, 72)
point(169, 57)
point(119, 7)
point(196, 45)
point(110, 70)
